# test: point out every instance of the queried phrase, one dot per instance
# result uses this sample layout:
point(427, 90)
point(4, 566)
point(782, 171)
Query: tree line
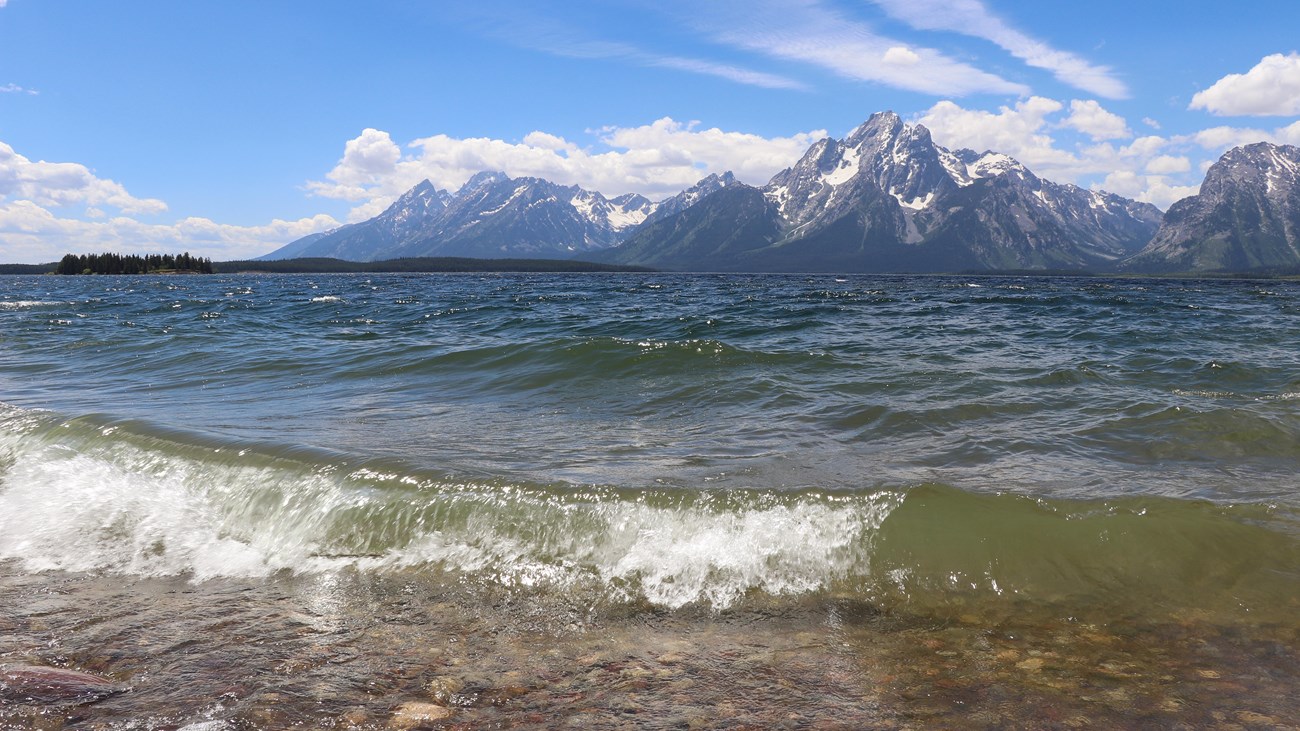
point(133, 264)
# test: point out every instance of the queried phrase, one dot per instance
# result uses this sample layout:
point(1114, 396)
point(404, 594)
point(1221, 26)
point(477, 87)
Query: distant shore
point(546, 266)
point(332, 266)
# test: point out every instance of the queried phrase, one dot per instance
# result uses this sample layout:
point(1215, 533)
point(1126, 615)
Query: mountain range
point(885, 198)
point(496, 216)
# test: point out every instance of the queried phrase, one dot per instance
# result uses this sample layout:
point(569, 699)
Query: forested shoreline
point(109, 263)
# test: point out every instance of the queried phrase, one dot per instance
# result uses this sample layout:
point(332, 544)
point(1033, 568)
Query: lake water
point(652, 501)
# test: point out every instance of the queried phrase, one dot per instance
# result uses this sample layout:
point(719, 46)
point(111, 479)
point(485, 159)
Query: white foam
point(98, 502)
point(26, 304)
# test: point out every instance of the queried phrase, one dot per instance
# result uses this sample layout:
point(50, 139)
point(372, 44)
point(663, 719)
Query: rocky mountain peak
point(879, 127)
point(480, 180)
point(1246, 216)
point(1274, 167)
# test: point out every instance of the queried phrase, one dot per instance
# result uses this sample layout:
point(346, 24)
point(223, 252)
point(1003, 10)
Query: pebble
point(442, 688)
point(1256, 719)
point(415, 714)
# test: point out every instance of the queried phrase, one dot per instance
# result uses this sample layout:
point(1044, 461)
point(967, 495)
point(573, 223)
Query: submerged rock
point(34, 683)
point(415, 714)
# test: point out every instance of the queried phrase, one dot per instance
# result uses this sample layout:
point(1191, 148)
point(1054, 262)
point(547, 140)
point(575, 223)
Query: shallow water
point(652, 501)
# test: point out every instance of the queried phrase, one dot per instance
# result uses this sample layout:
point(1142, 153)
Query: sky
point(230, 129)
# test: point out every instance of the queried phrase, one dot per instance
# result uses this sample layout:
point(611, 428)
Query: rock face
point(1247, 216)
point(887, 198)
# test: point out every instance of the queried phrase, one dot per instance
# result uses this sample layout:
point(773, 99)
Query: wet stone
point(415, 715)
point(442, 689)
point(49, 685)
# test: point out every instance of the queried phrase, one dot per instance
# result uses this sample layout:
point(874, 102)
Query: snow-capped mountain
point(1247, 216)
point(887, 198)
point(491, 216)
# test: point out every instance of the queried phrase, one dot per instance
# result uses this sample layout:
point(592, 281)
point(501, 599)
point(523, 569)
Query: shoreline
point(354, 650)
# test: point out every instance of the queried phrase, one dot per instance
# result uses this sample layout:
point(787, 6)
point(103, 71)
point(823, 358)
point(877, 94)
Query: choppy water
point(837, 471)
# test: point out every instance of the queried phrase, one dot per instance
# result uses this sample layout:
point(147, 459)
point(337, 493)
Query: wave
point(93, 494)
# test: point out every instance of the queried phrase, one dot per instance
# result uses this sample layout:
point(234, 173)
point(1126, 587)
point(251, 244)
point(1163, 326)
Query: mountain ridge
point(884, 198)
point(887, 198)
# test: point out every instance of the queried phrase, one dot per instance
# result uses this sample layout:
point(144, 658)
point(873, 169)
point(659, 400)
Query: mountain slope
point(417, 208)
point(1247, 216)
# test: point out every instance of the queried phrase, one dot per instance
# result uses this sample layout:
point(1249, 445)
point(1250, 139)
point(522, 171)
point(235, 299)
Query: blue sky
point(229, 129)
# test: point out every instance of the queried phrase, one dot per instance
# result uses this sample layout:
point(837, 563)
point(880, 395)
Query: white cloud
point(1221, 138)
point(1154, 189)
point(1143, 169)
point(48, 209)
point(1289, 135)
point(724, 71)
point(1019, 131)
point(809, 32)
point(62, 184)
point(548, 35)
point(14, 88)
point(656, 160)
point(1153, 124)
point(1271, 88)
point(972, 18)
point(901, 56)
point(32, 234)
point(1165, 164)
point(1090, 118)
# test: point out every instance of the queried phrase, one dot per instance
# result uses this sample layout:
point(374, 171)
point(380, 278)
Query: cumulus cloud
point(809, 32)
point(1143, 169)
point(972, 18)
point(48, 209)
point(1271, 88)
point(1090, 118)
point(1165, 164)
point(656, 160)
point(62, 184)
point(14, 88)
point(1020, 131)
point(1154, 189)
point(30, 233)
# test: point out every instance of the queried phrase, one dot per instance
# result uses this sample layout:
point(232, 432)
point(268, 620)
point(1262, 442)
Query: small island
point(109, 263)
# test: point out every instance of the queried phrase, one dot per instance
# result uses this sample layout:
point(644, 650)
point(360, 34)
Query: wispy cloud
point(972, 18)
point(14, 88)
point(725, 71)
point(808, 31)
point(551, 35)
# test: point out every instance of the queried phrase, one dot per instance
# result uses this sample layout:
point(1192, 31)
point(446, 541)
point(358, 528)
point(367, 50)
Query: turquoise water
point(948, 451)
